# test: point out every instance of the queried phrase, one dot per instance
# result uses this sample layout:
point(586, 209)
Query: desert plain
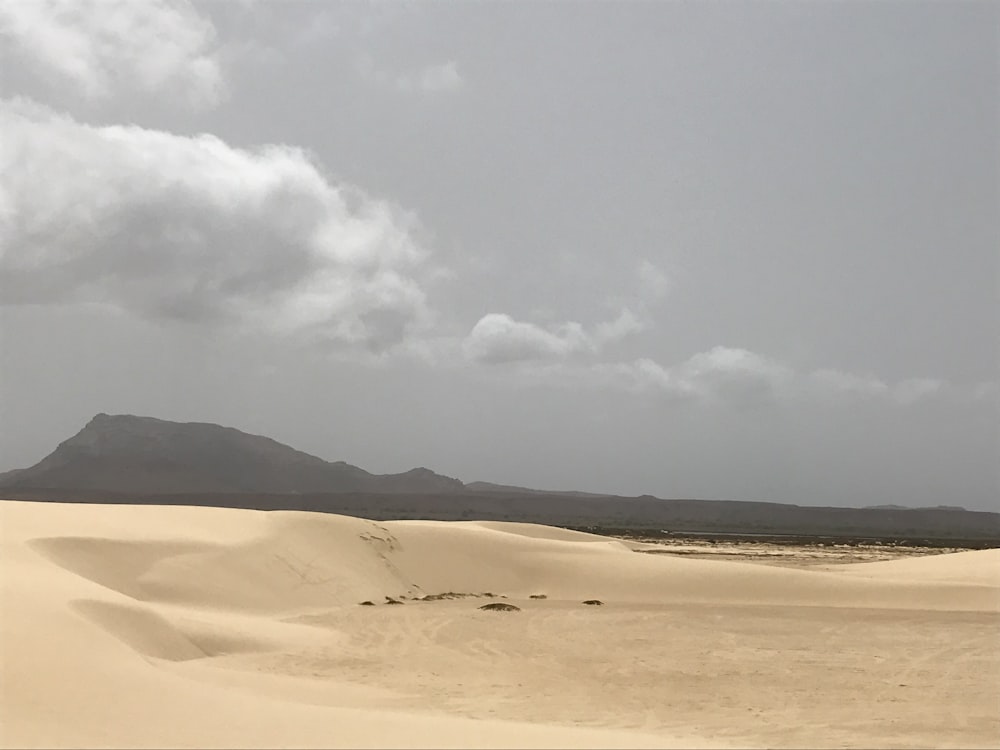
point(154, 626)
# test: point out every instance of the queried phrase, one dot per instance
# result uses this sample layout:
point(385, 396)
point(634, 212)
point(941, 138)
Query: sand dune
point(182, 626)
point(980, 567)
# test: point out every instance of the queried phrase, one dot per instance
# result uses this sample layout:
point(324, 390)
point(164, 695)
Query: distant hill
point(142, 455)
point(904, 507)
point(128, 459)
point(508, 489)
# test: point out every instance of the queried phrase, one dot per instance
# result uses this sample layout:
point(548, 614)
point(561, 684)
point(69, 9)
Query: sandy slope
point(980, 568)
point(176, 626)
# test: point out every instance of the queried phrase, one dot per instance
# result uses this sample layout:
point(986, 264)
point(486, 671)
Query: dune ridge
point(194, 626)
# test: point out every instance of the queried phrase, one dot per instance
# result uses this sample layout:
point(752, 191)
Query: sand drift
point(154, 626)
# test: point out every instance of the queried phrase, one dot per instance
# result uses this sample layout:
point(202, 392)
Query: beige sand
point(178, 627)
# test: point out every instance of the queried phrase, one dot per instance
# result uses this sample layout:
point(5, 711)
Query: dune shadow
point(113, 563)
point(150, 634)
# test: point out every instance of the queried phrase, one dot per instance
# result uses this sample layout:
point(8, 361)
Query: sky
point(716, 250)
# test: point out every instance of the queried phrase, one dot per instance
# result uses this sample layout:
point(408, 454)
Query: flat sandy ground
point(795, 554)
point(201, 627)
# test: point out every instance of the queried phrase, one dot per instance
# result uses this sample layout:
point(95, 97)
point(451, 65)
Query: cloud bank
point(571, 355)
point(97, 47)
point(725, 376)
point(172, 227)
point(907, 391)
point(721, 373)
point(176, 227)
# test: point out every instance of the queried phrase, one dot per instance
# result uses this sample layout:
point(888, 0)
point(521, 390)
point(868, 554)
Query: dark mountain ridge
point(124, 453)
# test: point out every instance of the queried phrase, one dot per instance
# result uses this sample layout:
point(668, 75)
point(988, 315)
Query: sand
point(148, 626)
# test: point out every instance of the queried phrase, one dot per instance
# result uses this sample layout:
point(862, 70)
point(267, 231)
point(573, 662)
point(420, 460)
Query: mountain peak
point(145, 455)
point(103, 419)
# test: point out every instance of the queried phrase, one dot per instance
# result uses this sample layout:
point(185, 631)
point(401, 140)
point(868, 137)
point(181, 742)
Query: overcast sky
point(716, 250)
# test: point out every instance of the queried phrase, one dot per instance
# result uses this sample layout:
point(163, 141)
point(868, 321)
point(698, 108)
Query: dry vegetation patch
point(456, 595)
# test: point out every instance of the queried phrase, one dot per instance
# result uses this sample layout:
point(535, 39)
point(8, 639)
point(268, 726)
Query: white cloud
point(624, 325)
point(99, 46)
point(738, 373)
point(169, 226)
point(499, 339)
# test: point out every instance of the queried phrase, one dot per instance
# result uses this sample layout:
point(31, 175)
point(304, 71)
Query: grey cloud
point(624, 325)
point(438, 78)
point(735, 376)
point(191, 228)
point(443, 77)
point(910, 390)
point(97, 47)
point(653, 282)
point(987, 391)
point(720, 373)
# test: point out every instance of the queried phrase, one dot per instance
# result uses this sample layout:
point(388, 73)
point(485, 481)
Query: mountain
point(127, 459)
point(124, 453)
